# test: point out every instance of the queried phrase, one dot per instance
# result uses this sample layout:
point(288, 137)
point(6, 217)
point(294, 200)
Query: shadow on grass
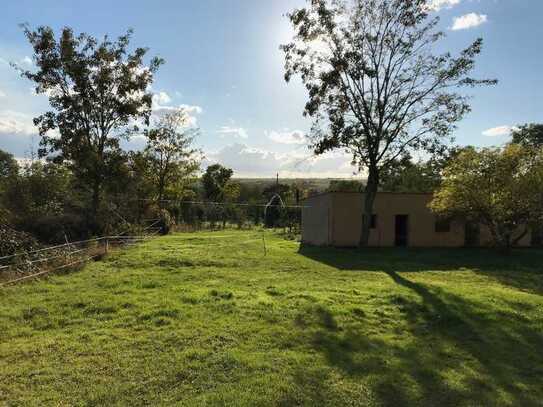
point(455, 352)
point(522, 269)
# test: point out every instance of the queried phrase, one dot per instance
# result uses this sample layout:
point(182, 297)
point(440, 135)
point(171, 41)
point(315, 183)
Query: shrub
point(166, 221)
point(12, 241)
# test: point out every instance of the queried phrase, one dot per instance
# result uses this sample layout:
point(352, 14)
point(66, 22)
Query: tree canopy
point(8, 166)
point(528, 135)
point(215, 180)
point(375, 86)
point(170, 151)
point(97, 90)
point(500, 188)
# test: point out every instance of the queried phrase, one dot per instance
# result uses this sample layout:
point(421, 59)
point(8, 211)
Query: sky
point(224, 64)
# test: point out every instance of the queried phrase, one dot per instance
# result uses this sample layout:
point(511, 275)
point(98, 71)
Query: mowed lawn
point(206, 319)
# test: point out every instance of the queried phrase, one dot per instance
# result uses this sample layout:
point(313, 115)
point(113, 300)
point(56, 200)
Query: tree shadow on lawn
point(521, 269)
point(457, 351)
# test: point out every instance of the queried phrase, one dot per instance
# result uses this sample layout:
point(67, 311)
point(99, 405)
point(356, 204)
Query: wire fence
point(23, 266)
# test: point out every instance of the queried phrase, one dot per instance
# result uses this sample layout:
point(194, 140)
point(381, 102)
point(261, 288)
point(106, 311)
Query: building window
point(443, 225)
point(373, 223)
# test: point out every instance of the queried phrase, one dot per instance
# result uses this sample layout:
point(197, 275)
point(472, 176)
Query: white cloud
point(191, 109)
point(2, 94)
point(236, 132)
point(161, 107)
point(470, 20)
point(436, 5)
point(499, 131)
point(15, 123)
point(26, 61)
point(254, 162)
point(287, 137)
point(161, 98)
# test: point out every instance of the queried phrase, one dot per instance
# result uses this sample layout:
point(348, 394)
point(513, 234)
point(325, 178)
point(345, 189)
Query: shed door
point(402, 231)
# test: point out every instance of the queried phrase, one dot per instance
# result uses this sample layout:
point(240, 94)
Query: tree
point(529, 135)
point(8, 166)
point(405, 175)
point(376, 89)
point(9, 170)
point(170, 152)
point(38, 199)
point(214, 181)
point(501, 189)
point(96, 90)
point(345, 186)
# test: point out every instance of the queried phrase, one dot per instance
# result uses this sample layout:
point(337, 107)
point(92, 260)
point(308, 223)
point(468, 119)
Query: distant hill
point(319, 184)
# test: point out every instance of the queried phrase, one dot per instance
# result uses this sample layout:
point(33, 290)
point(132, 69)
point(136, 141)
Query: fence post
point(106, 246)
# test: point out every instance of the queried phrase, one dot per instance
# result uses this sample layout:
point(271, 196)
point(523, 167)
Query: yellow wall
point(347, 221)
point(316, 216)
point(335, 219)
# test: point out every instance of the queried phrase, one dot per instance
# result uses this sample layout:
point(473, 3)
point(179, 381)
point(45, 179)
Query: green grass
point(206, 319)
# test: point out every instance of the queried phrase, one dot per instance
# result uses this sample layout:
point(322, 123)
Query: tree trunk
point(370, 193)
point(161, 188)
point(95, 205)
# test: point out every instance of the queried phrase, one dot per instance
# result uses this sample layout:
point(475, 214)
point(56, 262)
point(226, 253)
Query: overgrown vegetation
point(500, 188)
point(207, 319)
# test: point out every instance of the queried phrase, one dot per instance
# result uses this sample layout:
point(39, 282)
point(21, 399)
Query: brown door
point(402, 231)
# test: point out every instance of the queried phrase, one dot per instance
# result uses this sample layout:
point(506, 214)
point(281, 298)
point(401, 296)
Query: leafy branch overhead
point(372, 78)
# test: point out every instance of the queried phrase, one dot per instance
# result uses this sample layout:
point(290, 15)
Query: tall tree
point(529, 135)
point(170, 151)
point(376, 88)
point(96, 89)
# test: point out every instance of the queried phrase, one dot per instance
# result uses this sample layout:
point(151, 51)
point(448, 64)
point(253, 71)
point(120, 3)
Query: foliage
point(9, 170)
point(214, 182)
point(345, 186)
point(13, 241)
point(96, 90)
point(499, 188)
point(376, 89)
point(405, 175)
point(205, 319)
point(8, 167)
point(38, 200)
point(166, 221)
point(528, 135)
point(276, 195)
point(170, 153)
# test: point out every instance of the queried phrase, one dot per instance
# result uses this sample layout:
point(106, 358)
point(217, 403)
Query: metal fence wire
point(23, 266)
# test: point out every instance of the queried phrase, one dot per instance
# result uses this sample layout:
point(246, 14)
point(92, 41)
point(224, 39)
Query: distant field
point(206, 319)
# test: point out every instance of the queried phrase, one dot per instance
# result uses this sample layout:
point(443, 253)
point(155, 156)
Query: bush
point(166, 221)
point(56, 228)
point(12, 241)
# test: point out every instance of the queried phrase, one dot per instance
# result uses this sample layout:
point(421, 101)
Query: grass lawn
point(206, 319)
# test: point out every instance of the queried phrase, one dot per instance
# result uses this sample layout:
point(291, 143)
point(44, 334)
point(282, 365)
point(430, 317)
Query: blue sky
point(222, 60)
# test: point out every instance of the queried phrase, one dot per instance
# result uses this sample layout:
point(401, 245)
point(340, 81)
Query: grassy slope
point(205, 319)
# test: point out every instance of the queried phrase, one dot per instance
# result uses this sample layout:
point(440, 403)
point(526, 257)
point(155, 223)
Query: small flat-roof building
point(400, 219)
